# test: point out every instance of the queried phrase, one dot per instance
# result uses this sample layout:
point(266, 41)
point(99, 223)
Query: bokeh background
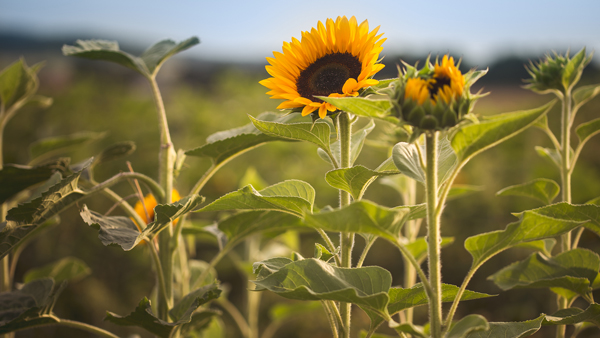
point(213, 87)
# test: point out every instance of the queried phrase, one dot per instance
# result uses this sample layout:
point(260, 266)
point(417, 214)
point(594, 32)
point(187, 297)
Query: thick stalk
point(346, 239)
point(433, 236)
point(166, 160)
point(565, 178)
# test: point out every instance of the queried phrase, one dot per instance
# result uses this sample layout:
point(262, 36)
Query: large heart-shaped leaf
point(472, 139)
point(362, 217)
point(224, 145)
point(541, 189)
point(313, 279)
point(294, 196)
point(317, 133)
point(574, 270)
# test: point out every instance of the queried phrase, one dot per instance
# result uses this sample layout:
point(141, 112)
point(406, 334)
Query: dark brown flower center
point(327, 75)
point(439, 83)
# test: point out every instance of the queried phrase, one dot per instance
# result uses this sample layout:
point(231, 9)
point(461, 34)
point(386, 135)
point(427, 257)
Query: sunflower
point(145, 209)
point(336, 59)
point(447, 84)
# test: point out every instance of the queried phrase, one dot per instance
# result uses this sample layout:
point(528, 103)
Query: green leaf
point(147, 64)
point(313, 279)
point(158, 53)
point(573, 316)
point(28, 216)
point(16, 178)
point(292, 196)
point(583, 94)
point(371, 106)
point(67, 269)
point(30, 306)
point(53, 146)
point(357, 140)
point(204, 294)
point(466, 325)
point(510, 329)
point(574, 270)
point(354, 180)
point(406, 159)
point(544, 246)
point(243, 224)
point(585, 131)
point(316, 133)
point(541, 189)
point(412, 329)
point(113, 229)
point(114, 152)
point(573, 69)
point(323, 253)
point(587, 214)
point(361, 217)
point(418, 247)
point(549, 154)
point(143, 317)
point(16, 82)
point(164, 214)
point(472, 139)
point(224, 145)
point(461, 190)
point(534, 225)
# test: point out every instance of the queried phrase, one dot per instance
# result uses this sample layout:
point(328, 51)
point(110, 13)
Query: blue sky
point(251, 30)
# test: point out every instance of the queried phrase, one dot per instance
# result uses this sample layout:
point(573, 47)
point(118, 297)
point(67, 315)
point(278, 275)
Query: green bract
point(557, 73)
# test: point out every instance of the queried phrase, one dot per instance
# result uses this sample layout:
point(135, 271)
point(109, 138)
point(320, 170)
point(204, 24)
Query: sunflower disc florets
point(435, 97)
point(336, 59)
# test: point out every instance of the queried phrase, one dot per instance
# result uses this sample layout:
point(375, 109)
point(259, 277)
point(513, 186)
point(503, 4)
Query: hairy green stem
point(411, 231)
point(459, 294)
point(346, 239)
point(433, 235)
point(330, 246)
point(365, 251)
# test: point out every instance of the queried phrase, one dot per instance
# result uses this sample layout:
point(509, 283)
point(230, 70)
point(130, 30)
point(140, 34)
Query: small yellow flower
point(336, 59)
point(146, 210)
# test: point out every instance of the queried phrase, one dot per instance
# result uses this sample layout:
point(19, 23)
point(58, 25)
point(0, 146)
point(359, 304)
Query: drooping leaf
point(147, 64)
point(317, 133)
point(15, 178)
point(113, 229)
point(585, 131)
point(354, 180)
point(53, 146)
point(313, 279)
point(28, 216)
point(472, 139)
point(224, 145)
point(66, 269)
point(509, 330)
point(371, 106)
point(114, 152)
point(164, 214)
point(30, 306)
point(204, 294)
point(406, 159)
point(240, 225)
point(534, 225)
point(16, 82)
point(292, 196)
point(466, 325)
point(361, 217)
point(574, 270)
point(541, 189)
point(357, 140)
point(143, 317)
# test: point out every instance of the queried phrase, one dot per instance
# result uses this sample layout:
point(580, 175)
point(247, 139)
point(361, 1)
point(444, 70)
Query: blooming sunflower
point(146, 209)
point(336, 59)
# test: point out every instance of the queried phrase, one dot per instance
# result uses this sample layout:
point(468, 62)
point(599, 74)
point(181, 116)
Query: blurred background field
point(203, 96)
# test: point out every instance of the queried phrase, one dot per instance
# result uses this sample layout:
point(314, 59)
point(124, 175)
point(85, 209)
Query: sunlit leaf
point(574, 270)
point(466, 325)
point(67, 269)
point(316, 133)
point(313, 279)
point(15, 178)
point(371, 106)
point(472, 139)
point(158, 53)
point(292, 196)
point(406, 159)
point(510, 329)
point(573, 69)
point(354, 180)
point(587, 214)
point(240, 225)
point(541, 189)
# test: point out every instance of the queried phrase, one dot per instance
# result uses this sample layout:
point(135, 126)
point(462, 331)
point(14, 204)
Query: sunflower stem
point(433, 236)
point(346, 239)
point(166, 160)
